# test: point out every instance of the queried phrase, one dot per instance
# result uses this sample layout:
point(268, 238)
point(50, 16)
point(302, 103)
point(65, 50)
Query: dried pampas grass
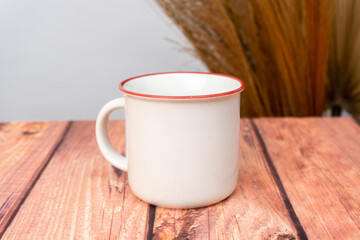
point(344, 60)
point(280, 49)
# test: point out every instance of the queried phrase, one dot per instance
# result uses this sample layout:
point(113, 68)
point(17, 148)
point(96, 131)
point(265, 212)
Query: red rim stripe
point(240, 89)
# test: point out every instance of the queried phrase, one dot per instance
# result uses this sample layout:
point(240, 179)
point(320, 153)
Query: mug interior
point(182, 85)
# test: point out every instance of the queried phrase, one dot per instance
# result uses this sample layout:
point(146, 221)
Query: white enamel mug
point(182, 137)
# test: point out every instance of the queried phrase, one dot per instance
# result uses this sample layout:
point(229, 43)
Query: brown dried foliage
point(344, 60)
point(280, 49)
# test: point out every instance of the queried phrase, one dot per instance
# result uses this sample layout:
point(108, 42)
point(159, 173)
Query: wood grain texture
point(318, 161)
point(292, 172)
point(25, 148)
point(254, 211)
point(80, 195)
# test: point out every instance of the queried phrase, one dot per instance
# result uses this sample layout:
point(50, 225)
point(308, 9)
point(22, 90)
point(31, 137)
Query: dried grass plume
point(280, 49)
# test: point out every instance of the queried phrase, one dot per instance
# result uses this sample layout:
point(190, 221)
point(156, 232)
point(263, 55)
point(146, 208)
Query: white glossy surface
point(181, 153)
point(116, 159)
point(182, 84)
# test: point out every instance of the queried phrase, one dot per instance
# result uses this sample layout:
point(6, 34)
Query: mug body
point(182, 149)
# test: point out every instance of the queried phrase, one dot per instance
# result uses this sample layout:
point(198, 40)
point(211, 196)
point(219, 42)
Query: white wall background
point(62, 60)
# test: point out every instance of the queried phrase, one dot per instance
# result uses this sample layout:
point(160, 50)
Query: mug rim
point(237, 90)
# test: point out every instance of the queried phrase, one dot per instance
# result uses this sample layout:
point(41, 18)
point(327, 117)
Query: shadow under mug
point(182, 137)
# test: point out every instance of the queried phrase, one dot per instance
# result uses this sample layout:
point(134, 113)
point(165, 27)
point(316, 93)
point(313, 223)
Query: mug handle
point(115, 158)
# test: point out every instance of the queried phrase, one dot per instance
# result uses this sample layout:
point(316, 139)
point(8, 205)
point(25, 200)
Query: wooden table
point(298, 179)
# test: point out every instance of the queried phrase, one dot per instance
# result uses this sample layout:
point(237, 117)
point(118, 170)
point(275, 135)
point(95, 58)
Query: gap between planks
point(151, 220)
point(317, 160)
point(275, 175)
point(36, 178)
point(81, 195)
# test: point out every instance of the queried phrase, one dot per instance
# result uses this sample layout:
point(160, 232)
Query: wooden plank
point(255, 210)
point(318, 161)
point(25, 148)
point(80, 196)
